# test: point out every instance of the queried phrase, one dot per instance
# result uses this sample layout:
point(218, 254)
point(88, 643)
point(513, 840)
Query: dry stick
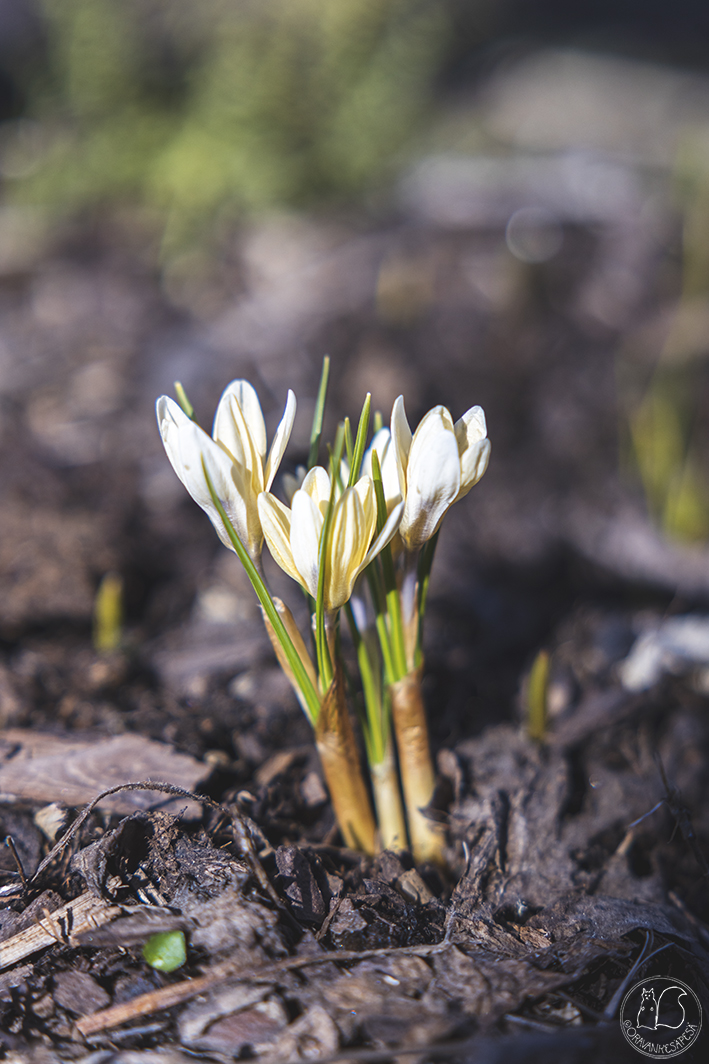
point(10, 843)
point(169, 996)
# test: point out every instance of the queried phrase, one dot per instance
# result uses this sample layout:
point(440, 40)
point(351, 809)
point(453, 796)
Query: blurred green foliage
point(667, 414)
point(226, 105)
point(668, 461)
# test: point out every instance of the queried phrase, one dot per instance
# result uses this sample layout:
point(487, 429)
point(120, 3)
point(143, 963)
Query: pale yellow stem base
point(387, 800)
point(336, 745)
point(417, 775)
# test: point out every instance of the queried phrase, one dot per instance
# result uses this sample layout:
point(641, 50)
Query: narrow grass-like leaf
point(393, 602)
point(379, 492)
point(425, 564)
point(373, 574)
point(360, 442)
point(310, 695)
point(183, 400)
point(375, 579)
point(372, 725)
point(316, 430)
point(325, 665)
point(378, 421)
point(348, 443)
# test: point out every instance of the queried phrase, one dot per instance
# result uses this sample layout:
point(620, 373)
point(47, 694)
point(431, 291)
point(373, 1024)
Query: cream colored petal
point(280, 440)
point(471, 433)
point(383, 444)
point(316, 484)
point(401, 435)
point(225, 431)
point(186, 446)
point(473, 465)
point(385, 536)
point(232, 435)
point(433, 477)
point(247, 471)
point(470, 428)
point(306, 526)
point(276, 524)
point(365, 489)
point(247, 399)
point(227, 489)
point(344, 478)
point(253, 460)
point(350, 536)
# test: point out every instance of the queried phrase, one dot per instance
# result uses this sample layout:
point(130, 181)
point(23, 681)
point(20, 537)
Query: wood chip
point(66, 925)
point(42, 768)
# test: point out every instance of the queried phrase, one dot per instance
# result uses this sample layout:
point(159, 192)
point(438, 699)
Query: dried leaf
point(41, 768)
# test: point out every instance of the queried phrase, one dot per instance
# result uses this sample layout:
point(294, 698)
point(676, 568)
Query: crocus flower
point(293, 535)
point(235, 458)
point(438, 465)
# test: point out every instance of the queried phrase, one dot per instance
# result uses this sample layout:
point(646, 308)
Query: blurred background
point(466, 201)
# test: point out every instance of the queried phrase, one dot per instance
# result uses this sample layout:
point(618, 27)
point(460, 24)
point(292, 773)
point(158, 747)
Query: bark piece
point(40, 768)
point(302, 878)
point(79, 993)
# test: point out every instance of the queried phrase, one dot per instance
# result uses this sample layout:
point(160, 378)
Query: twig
point(683, 819)
point(9, 841)
point(169, 996)
point(610, 1009)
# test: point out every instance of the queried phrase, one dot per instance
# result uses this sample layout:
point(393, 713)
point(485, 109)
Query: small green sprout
point(537, 697)
point(166, 950)
point(108, 614)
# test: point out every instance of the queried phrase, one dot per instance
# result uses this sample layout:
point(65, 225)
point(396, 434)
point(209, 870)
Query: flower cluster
point(422, 474)
point(374, 513)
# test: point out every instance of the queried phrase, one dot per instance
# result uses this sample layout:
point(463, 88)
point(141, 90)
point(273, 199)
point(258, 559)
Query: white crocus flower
point(235, 458)
point(293, 536)
point(438, 465)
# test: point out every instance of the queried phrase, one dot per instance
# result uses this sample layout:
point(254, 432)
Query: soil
point(577, 866)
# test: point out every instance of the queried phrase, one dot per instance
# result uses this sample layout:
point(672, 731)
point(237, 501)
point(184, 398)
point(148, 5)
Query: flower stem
point(391, 591)
point(417, 774)
point(311, 697)
point(387, 800)
point(337, 747)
